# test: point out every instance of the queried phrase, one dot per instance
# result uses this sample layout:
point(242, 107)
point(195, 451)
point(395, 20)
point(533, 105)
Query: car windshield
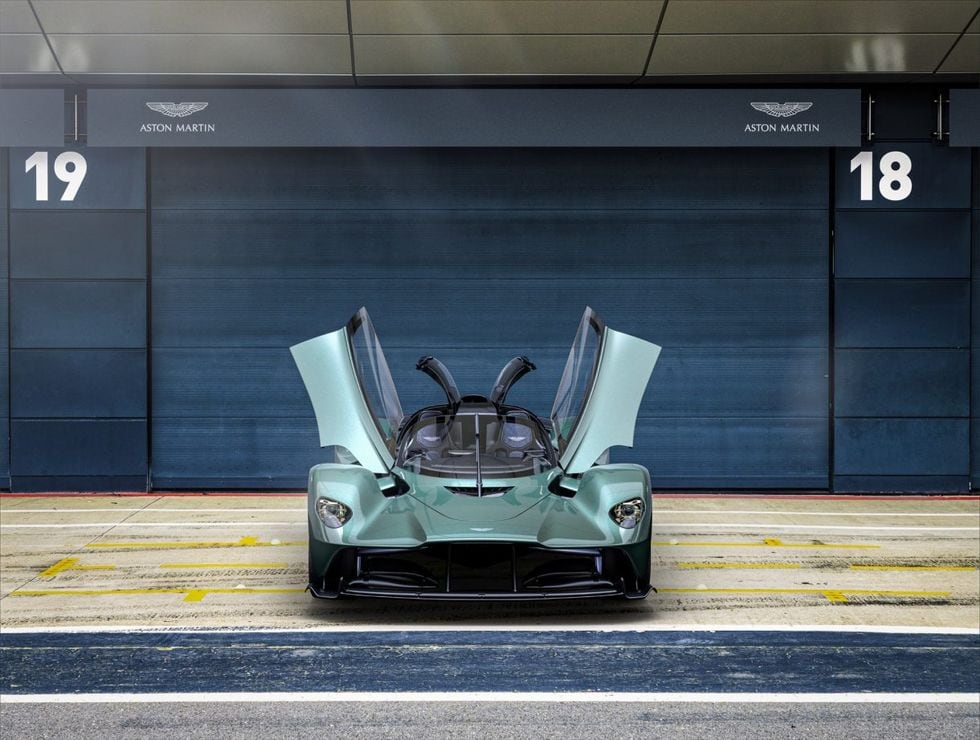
point(465, 445)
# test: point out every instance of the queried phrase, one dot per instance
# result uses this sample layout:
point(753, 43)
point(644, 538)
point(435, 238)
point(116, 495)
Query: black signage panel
point(32, 117)
point(474, 118)
point(899, 175)
point(964, 117)
point(74, 178)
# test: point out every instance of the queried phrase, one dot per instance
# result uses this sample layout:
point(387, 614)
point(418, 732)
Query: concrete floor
point(240, 561)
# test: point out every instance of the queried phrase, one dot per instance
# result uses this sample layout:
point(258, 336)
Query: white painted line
point(656, 511)
point(227, 510)
point(709, 526)
point(679, 526)
point(661, 512)
point(130, 525)
point(553, 627)
point(597, 697)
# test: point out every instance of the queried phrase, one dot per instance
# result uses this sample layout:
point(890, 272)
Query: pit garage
point(814, 340)
point(475, 256)
point(784, 195)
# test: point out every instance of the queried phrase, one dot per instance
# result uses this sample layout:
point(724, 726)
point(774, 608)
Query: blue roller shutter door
point(478, 255)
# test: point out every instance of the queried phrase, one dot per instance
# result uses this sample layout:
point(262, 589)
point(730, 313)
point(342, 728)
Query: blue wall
point(725, 257)
point(78, 327)
point(478, 255)
point(902, 326)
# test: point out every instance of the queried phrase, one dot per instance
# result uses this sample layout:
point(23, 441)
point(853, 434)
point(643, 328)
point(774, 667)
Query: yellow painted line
point(249, 541)
point(58, 567)
point(70, 564)
point(913, 567)
point(191, 594)
point(223, 565)
point(767, 542)
point(785, 566)
point(834, 595)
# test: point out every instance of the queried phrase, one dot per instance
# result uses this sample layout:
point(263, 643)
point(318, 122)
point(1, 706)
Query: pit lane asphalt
point(561, 721)
point(488, 661)
point(237, 563)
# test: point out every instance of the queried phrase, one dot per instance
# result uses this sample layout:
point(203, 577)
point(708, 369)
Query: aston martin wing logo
point(781, 110)
point(178, 110)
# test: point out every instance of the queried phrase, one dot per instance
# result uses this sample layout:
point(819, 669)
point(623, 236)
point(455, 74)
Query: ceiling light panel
point(500, 55)
point(810, 55)
point(436, 17)
point(25, 54)
point(193, 16)
point(203, 54)
point(823, 16)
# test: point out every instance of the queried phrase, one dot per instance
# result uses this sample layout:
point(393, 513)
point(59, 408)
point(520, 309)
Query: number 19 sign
point(69, 167)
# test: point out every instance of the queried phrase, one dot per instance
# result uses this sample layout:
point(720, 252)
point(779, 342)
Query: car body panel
point(425, 515)
point(355, 403)
point(600, 392)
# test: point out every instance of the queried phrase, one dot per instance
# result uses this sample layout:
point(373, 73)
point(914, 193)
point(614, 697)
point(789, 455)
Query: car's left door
point(353, 395)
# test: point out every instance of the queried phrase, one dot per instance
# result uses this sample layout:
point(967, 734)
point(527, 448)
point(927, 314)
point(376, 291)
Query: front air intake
point(474, 491)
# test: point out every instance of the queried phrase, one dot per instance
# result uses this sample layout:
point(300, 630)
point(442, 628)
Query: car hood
point(456, 498)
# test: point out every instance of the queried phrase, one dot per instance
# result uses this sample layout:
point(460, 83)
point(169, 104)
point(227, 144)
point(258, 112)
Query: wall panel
point(902, 320)
point(78, 315)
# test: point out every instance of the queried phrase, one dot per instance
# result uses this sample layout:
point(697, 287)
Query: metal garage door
point(4, 335)
point(475, 256)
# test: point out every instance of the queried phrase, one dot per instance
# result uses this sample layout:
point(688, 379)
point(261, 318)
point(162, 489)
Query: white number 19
point(895, 182)
point(69, 167)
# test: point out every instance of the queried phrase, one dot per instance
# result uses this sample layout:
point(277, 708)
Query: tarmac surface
point(788, 616)
point(564, 721)
point(240, 561)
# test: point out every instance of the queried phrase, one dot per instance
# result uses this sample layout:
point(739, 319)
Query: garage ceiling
point(341, 42)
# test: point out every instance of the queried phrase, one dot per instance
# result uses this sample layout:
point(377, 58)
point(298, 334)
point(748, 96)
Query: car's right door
point(600, 392)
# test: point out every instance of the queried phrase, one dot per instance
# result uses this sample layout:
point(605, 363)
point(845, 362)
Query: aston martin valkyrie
point(476, 498)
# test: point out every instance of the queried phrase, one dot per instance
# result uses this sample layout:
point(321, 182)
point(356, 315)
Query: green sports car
point(476, 498)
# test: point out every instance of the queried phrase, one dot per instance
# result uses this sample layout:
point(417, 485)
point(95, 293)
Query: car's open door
point(352, 392)
point(600, 392)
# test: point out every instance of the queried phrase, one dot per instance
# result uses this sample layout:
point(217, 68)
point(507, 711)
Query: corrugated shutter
point(475, 256)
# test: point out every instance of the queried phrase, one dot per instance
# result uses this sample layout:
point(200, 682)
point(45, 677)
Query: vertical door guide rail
point(940, 131)
point(869, 133)
point(831, 299)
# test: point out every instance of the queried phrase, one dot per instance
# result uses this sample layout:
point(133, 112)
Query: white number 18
point(895, 182)
point(69, 167)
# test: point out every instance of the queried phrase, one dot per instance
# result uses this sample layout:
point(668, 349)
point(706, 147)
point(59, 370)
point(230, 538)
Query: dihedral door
point(600, 392)
point(353, 395)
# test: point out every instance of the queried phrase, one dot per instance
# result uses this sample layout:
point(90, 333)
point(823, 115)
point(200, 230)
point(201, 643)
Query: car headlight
point(332, 513)
point(628, 513)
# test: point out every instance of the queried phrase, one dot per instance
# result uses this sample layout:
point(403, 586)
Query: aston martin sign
point(633, 117)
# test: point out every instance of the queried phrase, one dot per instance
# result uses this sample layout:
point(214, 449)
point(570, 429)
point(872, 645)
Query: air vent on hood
point(474, 491)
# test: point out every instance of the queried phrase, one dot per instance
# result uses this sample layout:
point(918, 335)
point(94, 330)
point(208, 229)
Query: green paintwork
point(428, 512)
point(431, 513)
point(608, 417)
point(342, 415)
